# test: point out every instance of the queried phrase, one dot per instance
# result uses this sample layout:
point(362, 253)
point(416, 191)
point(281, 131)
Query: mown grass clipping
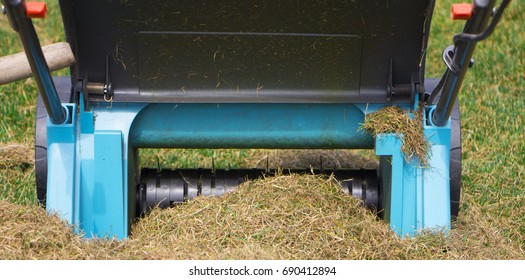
point(282, 217)
point(393, 119)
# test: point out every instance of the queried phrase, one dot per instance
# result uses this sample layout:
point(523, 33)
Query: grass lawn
point(492, 216)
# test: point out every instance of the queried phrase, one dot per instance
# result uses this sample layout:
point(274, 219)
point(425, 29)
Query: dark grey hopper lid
point(248, 50)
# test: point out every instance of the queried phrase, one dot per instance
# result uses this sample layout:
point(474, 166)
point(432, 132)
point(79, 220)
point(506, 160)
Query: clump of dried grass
point(393, 119)
point(12, 155)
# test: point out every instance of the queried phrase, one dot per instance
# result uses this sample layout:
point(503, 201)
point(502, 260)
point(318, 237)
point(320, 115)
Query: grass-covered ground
point(491, 224)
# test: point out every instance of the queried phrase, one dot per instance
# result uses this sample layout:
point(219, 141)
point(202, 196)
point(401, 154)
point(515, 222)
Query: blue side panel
point(86, 182)
point(101, 184)
point(61, 193)
point(436, 196)
point(103, 168)
point(418, 197)
point(87, 169)
point(109, 213)
point(61, 142)
point(389, 145)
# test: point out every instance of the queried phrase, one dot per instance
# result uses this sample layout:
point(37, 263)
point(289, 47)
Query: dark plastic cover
point(248, 50)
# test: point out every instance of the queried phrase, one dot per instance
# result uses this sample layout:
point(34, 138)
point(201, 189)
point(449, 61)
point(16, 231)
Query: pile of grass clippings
point(27, 232)
point(282, 217)
point(305, 217)
point(30, 233)
point(393, 119)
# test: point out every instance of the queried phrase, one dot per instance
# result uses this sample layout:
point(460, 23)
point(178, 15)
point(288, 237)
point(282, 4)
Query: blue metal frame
point(93, 166)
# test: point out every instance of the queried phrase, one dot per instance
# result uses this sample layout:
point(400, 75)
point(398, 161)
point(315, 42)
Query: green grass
point(492, 114)
point(18, 106)
point(493, 118)
point(19, 99)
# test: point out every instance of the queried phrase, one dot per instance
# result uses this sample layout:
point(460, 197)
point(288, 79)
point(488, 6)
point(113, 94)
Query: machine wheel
point(63, 85)
point(41, 152)
point(455, 162)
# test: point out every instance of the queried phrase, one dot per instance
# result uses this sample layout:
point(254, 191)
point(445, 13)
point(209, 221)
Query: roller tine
point(185, 185)
point(199, 182)
point(321, 164)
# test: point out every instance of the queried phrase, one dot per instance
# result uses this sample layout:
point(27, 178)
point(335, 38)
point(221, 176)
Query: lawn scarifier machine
point(242, 74)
